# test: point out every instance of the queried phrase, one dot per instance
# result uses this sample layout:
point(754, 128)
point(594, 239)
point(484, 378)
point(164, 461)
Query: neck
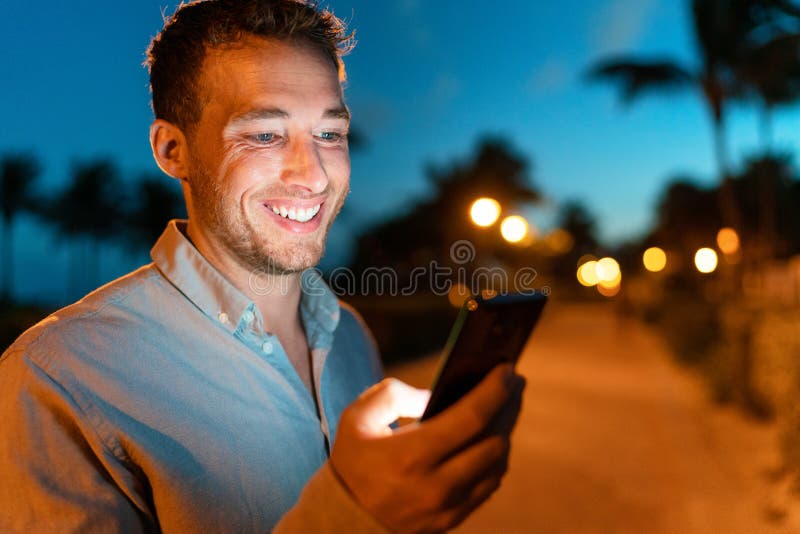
point(276, 295)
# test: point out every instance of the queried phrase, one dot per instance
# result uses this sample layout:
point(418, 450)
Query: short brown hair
point(176, 54)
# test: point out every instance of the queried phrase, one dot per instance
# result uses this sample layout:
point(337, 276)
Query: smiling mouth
point(294, 213)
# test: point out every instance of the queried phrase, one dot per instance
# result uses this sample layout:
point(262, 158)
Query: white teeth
point(297, 214)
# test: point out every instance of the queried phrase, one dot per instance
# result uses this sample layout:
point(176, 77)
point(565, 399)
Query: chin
point(289, 261)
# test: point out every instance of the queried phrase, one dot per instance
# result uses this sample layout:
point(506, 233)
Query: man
point(204, 391)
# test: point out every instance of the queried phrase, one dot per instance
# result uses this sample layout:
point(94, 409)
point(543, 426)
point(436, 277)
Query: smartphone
point(488, 331)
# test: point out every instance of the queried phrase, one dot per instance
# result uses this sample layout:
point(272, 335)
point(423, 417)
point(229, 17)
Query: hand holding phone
point(488, 331)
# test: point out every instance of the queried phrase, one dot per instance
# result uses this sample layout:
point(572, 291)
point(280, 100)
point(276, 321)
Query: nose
point(303, 166)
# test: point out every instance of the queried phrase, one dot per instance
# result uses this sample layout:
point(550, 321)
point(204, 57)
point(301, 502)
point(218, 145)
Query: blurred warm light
point(586, 257)
point(458, 294)
point(608, 284)
point(514, 228)
point(654, 259)
point(705, 259)
point(607, 269)
point(728, 241)
point(560, 241)
point(587, 274)
point(485, 211)
point(608, 291)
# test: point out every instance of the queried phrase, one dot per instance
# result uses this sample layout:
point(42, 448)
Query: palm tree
point(724, 30)
point(155, 201)
point(89, 207)
point(17, 175)
point(771, 75)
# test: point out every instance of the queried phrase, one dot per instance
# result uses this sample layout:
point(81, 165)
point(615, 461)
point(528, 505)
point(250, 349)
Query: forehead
point(258, 70)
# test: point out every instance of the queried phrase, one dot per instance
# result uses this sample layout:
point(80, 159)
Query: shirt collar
point(187, 269)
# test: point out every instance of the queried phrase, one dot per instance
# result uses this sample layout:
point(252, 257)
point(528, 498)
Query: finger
point(462, 422)
point(385, 402)
point(473, 464)
point(480, 493)
point(506, 419)
point(477, 495)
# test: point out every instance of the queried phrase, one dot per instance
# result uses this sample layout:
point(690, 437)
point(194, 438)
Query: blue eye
point(331, 136)
point(264, 137)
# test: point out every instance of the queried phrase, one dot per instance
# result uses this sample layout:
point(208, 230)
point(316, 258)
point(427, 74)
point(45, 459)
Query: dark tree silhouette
point(725, 31)
point(575, 218)
point(578, 221)
point(687, 216)
point(17, 176)
point(90, 207)
point(154, 202)
point(427, 231)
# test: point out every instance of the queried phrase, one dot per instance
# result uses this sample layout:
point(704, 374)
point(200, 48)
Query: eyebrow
point(340, 112)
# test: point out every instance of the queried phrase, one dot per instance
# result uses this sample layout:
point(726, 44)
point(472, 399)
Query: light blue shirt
point(160, 401)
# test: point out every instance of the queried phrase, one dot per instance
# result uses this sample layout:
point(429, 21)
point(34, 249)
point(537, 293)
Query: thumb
point(384, 403)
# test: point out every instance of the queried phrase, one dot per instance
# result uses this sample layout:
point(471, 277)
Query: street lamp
point(514, 228)
point(705, 259)
point(654, 259)
point(485, 211)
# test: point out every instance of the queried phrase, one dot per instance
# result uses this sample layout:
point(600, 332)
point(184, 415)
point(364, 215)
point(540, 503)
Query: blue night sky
point(426, 81)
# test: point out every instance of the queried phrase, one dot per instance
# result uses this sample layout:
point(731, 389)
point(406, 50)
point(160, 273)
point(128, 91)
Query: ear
point(170, 149)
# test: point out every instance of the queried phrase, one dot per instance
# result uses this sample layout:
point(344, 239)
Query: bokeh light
point(514, 228)
point(587, 274)
point(586, 257)
point(607, 269)
point(705, 259)
point(654, 259)
point(617, 280)
point(728, 241)
point(484, 211)
point(608, 291)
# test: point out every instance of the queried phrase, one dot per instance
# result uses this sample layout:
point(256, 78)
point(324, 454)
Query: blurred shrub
point(690, 325)
point(775, 351)
point(406, 327)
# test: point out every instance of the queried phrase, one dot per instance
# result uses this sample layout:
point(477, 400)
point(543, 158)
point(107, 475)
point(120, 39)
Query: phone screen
point(487, 332)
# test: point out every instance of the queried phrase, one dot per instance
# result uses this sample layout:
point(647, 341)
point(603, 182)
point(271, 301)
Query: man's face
point(269, 161)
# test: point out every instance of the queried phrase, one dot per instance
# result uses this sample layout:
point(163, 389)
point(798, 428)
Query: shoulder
point(90, 324)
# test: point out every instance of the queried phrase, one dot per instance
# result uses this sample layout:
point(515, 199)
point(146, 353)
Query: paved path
point(615, 438)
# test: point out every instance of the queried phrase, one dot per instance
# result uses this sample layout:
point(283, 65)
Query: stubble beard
point(226, 219)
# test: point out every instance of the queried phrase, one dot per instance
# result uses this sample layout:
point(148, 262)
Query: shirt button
point(248, 316)
point(266, 347)
point(223, 317)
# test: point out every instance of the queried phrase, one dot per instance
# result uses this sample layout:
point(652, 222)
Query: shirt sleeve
point(56, 474)
point(325, 506)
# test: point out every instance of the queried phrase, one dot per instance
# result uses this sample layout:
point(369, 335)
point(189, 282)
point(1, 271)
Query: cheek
point(338, 170)
point(247, 174)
